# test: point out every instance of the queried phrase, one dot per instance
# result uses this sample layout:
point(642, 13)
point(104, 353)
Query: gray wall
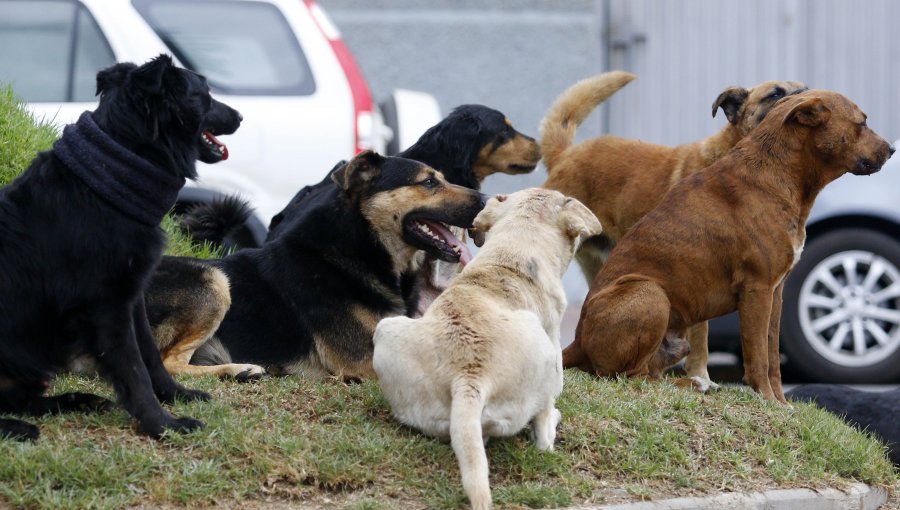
point(515, 56)
point(685, 52)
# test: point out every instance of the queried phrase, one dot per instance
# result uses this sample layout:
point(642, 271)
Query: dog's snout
point(239, 116)
point(891, 150)
point(482, 200)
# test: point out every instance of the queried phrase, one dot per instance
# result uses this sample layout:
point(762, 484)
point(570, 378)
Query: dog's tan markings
point(345, 350)
point(515, 156)
point(181, 334)
point(385, 212)
point(308, 367)
point(341, 367)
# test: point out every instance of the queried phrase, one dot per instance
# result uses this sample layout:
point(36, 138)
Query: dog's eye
point(778, 93)
point(429, 182)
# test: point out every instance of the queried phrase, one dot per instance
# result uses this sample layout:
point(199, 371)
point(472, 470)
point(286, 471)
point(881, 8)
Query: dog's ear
point(730, 101)
point(578, 221)
point(810, 112)
point(113, 76)
point(486, 219)
point(149, 77)
point(359, 172)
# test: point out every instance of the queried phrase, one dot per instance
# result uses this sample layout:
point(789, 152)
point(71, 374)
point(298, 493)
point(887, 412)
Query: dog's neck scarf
point(137, 188)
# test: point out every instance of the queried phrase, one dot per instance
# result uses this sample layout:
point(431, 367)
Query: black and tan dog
point(725, 239)
point(79, 237)
point(307, 302)
point(621, 180)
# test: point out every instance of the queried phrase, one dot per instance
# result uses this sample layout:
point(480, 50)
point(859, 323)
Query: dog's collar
point(134, 186)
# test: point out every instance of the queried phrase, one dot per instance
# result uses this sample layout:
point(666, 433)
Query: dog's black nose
point(240, 117)
point(891, 150)
point(482, 200)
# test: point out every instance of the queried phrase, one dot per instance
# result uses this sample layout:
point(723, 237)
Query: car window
point(51, 50)
point(243, 48)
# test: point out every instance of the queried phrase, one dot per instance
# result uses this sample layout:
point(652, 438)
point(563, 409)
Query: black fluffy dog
point(79, 237)
point(876, 412)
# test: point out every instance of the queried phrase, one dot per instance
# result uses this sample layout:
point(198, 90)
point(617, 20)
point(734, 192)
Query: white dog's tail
point(572, 107)
point(466, 439)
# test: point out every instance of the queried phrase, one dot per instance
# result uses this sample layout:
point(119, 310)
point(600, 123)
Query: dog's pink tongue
point(222, 146)
point(465, 256)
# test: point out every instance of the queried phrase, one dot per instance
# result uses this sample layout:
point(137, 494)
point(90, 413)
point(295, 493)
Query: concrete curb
point(857, 497)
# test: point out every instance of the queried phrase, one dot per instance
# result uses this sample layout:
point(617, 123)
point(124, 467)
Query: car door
point(52, 50)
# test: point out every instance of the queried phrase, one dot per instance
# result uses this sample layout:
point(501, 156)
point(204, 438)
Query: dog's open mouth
point(211, 149)
point(436, 239)
point(518, 168)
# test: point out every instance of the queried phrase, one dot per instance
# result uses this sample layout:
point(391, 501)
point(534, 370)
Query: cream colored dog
point(484, 360)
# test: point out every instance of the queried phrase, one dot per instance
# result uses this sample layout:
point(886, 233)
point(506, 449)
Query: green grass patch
point(293, 441)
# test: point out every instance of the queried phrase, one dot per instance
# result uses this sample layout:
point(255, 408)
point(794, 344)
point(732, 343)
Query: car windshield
point(243, 48)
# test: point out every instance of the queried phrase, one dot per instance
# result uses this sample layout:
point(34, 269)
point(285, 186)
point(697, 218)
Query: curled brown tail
point(572, 107)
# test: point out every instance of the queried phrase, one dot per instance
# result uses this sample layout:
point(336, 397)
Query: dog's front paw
point(704, 385)
point(244, 373)
point(18, 430)
point(181, 425)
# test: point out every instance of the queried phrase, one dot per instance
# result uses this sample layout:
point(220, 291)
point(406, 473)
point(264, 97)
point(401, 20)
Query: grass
point(287, 440)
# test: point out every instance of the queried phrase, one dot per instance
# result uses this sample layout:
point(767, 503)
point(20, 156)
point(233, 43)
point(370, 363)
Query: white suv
point(281, 63)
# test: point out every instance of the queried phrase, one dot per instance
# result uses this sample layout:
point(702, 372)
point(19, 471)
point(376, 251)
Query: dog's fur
point(485, 358)
point(308, 301)
point(74, 263)
point(621, 180)
point(873, 411)
point(725, 239)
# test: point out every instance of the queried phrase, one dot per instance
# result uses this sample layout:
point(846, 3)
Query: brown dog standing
point(725, 239)
point(621, 180)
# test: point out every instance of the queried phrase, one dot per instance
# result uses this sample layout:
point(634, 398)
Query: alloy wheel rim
point(850, 308)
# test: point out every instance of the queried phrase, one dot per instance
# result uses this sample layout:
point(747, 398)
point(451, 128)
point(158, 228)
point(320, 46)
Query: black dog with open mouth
point(79, 237)
point(307, 302)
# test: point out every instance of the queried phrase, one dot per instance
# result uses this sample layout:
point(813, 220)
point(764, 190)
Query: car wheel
point(841, 313)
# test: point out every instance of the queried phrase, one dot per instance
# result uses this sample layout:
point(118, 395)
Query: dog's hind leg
point(466, 438)
point(116, 348)
point(774, 353)
point(18, 430)
point(165, 387)
point(698, 359)
point(66, 403)
point(623, 325)
point(545, 424)
point(177, 359)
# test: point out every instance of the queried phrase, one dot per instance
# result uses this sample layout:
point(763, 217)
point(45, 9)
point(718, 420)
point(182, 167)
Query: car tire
point(841, 314)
